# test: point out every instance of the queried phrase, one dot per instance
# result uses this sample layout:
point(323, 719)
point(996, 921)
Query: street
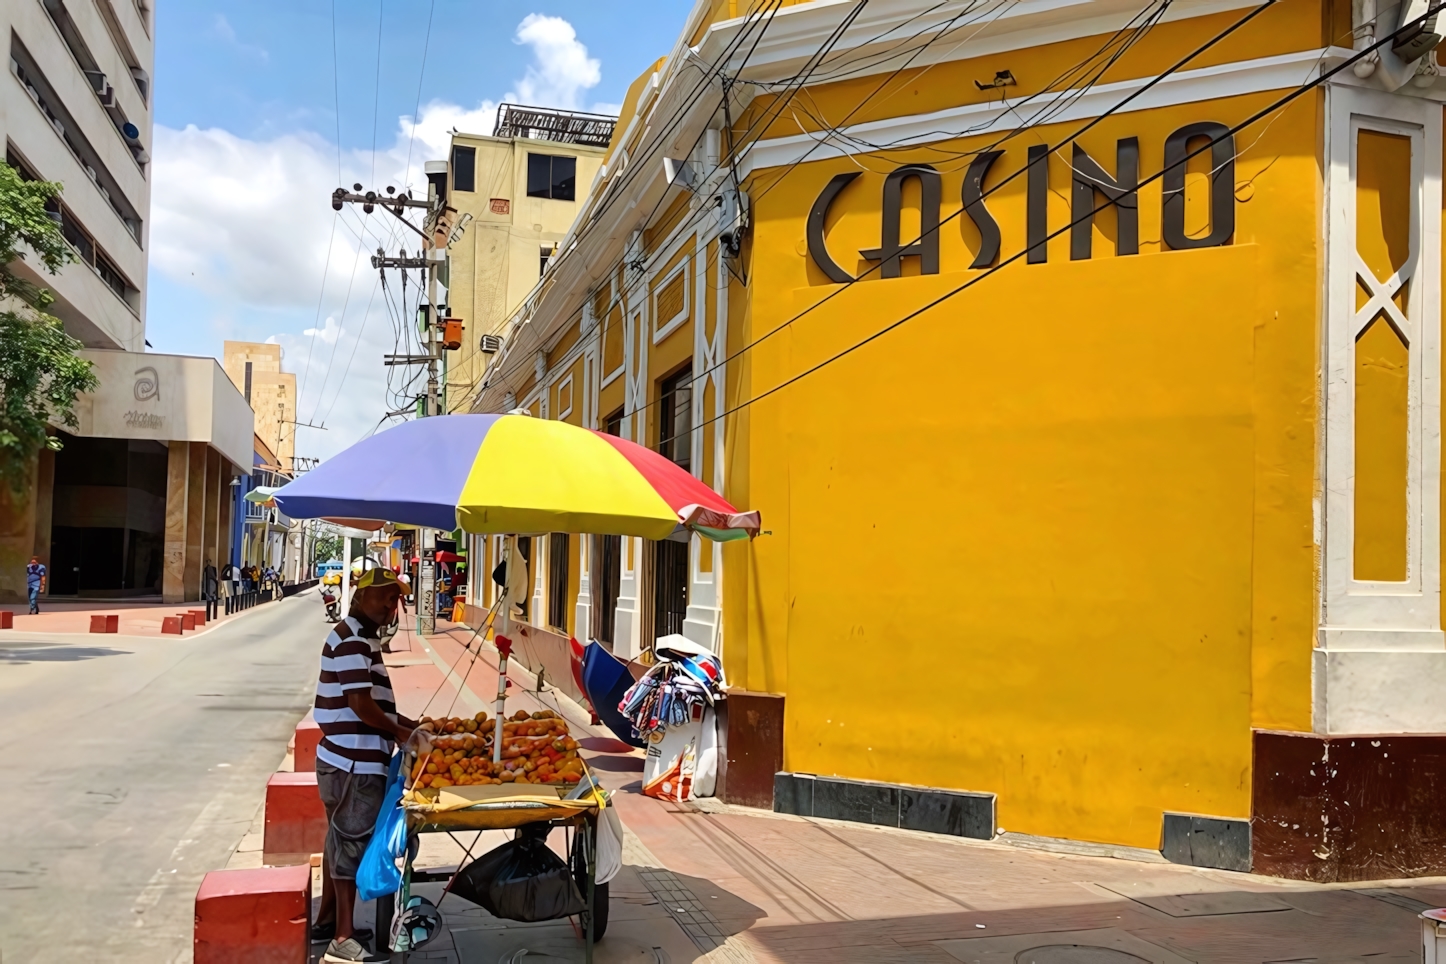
point(129, 767)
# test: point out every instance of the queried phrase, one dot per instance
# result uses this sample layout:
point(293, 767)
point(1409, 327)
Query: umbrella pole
point(504, 647)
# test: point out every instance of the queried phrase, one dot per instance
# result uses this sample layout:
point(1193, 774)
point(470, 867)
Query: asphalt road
point(131, 766)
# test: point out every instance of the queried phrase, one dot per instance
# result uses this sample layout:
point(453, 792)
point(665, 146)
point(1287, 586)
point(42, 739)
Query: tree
point(40, 373)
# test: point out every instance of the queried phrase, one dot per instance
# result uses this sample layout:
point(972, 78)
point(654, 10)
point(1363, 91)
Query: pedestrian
point(248, 580)
point(208, 582)
point(35, 574)
point(228, 580)
point(359, 728)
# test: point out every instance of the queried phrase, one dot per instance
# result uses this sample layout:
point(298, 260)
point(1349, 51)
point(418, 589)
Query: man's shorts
point(352, 802)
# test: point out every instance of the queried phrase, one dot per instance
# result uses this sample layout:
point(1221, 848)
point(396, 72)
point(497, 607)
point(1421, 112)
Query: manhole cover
point(1076, 954)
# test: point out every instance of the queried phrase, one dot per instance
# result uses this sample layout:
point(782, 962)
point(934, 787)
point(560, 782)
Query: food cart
point(505, 475)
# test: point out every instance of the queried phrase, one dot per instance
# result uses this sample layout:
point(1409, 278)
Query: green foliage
point(328, 546)
point(24, 220)
point(40, 374)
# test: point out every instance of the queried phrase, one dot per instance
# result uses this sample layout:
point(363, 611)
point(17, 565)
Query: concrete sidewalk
point(711, 882)
point(138, 617)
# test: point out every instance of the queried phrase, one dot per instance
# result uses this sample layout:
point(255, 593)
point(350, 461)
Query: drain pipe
point(1364, 34)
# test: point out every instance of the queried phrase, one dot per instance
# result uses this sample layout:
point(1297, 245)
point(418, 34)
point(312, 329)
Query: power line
point(326, 267)
point(1079, 132)
point(377, 86)
point(1230, 133)
point(760, 127)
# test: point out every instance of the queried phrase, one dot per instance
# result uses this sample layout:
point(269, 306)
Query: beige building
point(522, 188)
point(138, 496)
point(255, 369)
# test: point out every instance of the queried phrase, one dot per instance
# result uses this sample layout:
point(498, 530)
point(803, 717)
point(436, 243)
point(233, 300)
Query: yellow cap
point(373, 578)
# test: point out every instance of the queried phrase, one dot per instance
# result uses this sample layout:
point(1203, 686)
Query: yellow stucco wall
point(1053, 538)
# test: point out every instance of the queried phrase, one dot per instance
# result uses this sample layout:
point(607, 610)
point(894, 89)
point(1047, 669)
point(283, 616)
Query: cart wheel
point(600, 898)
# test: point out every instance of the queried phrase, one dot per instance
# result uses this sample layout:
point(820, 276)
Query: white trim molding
point(1371, 632)
point(1280, 72)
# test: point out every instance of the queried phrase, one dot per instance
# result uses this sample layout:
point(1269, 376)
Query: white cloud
point(248, 224)
point(222, 28)
point(562, 69)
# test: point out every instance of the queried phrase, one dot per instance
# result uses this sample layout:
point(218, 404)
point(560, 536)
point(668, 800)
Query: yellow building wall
point(1063, 518)
point(497, 261)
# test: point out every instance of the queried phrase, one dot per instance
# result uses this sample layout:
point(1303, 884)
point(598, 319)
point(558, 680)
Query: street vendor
point(360, 727)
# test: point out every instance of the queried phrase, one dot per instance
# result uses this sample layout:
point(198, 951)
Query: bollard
point(260, 914)
point(104, 624)
point(7, 619)
point(198, 616)
point(295, 818)
point(171, 625)
point(304, 743)
point(188, 622)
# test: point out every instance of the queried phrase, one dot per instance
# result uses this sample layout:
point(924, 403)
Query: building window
point(675, 418)
point(60, 120)
point(670, 588)
point(552, 176)
point(607, 576)
point(559, 546)
point(80, 239)
point(464, 168)
point(248, 383)
point(544, 256)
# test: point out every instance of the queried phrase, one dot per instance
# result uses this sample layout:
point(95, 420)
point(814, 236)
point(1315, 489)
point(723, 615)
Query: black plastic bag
point(521, 880)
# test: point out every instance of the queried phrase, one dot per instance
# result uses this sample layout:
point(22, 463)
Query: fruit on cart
point(456, 724)
point(536, 749)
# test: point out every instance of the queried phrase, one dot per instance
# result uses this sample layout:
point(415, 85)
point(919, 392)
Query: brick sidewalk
point(711, 882)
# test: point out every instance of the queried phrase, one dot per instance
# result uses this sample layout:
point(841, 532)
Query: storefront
point(138, 499)
point(1092, 409)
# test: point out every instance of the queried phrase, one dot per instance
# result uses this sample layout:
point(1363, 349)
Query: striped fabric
point(351, 660)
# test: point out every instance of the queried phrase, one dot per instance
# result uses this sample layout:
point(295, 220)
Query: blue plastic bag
point(378, 875)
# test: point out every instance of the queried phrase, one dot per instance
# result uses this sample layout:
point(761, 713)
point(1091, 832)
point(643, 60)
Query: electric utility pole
point(437, 232)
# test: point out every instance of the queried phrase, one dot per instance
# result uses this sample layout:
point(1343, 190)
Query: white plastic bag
point(609, 844)
point(683, 763)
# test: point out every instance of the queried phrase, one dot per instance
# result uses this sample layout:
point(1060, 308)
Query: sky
point(264, 107)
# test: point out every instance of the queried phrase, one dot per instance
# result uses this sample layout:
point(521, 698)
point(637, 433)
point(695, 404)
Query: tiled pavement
point(723, 884)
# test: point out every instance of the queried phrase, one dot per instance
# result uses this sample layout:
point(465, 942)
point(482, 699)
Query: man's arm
point(361, 703)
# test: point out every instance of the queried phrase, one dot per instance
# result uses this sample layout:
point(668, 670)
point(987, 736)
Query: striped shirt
point(351, 659)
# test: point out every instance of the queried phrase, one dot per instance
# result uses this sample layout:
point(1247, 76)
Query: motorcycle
point(333, 608)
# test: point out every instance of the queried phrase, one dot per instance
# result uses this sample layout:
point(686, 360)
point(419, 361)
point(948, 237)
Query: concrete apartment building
point(522, 187)
point(134, 502)
point(255, 369)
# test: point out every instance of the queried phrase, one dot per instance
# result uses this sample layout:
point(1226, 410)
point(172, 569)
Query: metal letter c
point(817, 249)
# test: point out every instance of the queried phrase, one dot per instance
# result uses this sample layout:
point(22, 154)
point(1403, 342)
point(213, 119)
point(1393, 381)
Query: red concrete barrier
point(295, 818)
point(199, 615)
point(308, 735)
point(258, 916)
point(188, 622)
point(171, 624)
point(7, 619)
point(105, 624)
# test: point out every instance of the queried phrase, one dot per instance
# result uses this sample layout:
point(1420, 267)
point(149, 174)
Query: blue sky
point(247, 153)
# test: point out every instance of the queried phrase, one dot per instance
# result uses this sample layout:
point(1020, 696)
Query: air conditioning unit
point(490, 344)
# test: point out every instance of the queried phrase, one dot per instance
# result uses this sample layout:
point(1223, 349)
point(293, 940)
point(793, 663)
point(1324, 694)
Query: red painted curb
point(308, 735)
point(295, 818)
point(255, 916)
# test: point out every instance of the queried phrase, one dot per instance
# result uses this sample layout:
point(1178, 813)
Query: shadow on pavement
point(34, 651)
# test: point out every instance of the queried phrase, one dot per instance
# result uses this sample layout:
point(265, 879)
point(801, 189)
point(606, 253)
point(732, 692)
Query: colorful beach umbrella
point(501, 474)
